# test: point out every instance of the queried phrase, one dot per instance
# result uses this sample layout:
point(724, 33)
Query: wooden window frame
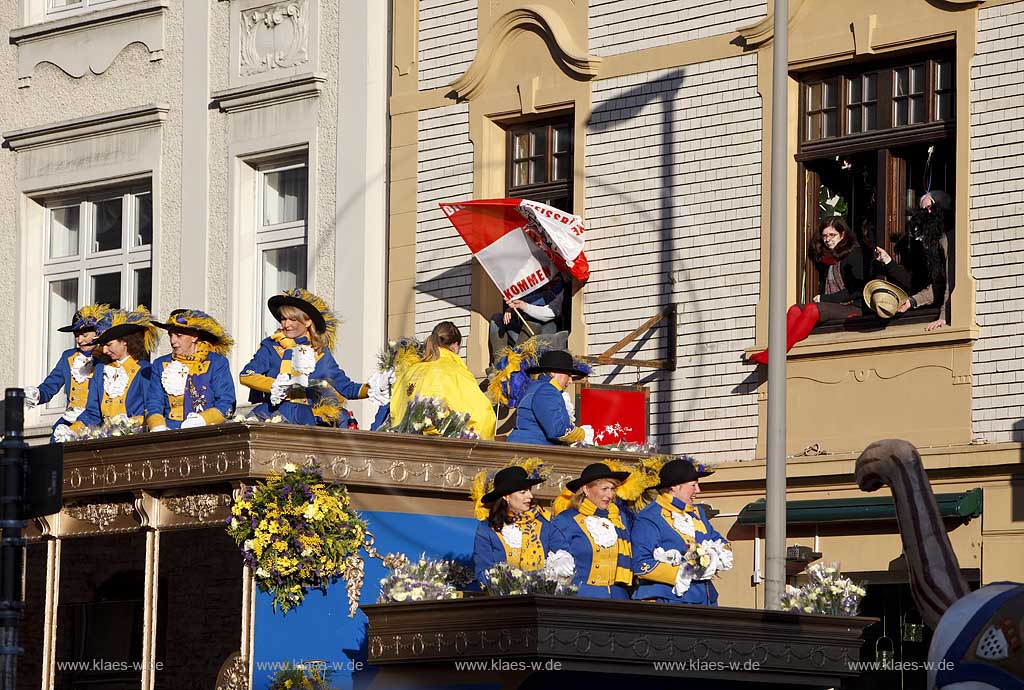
point(549, 188)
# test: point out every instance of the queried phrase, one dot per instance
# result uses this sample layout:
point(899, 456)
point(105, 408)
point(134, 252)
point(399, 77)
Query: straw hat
point(884, 297)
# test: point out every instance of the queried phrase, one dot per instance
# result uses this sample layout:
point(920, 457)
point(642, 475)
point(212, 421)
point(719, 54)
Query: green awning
point(965, 505)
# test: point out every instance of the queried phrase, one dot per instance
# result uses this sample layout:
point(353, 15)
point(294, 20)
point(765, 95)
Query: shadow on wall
point(452, 286)
point(1017, 490)
point(673, 276)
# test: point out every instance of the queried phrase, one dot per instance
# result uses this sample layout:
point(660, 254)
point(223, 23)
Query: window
point(281, 231)
point(55, 9)
point(540, 168)
point(894, 141)
point(97, 249)
point(540, 161)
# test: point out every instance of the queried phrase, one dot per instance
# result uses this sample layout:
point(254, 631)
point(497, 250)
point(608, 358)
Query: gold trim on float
point(568, 55)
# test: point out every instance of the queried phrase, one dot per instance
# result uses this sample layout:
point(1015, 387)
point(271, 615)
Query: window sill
point(900, 336)
point(114, 29)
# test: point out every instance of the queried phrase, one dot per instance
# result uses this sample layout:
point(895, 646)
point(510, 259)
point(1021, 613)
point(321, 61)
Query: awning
point(964, 506)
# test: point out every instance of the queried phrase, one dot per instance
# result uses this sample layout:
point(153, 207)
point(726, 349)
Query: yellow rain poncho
point(447, 379)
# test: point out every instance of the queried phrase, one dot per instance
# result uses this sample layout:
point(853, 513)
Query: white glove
point(379, 385)
point(192, 421)
point(62, 433)
point(671, 556)
point(279, 389)
point(158, 427)
point(570, 405)
point(559, 564)
point(72, 414)
point(588, 434)
point(31, 396)
point(683, 579)
point(723, 552)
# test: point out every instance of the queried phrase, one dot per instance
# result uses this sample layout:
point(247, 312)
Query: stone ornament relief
point(234, 673)
point(274, 37)
point(100, 515)
point(197, 506)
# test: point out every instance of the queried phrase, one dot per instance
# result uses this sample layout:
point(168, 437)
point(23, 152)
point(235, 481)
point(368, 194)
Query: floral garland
point(827, 592)
point(297, 532)
point(425, 580)
point(311, 675)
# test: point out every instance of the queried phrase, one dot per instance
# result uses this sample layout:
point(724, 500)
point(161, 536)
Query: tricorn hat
point(200, 323)
point(508, 481)
point(883, 297)
point(593, 472)
point(681, 471)
point(558, 362)
point(86, 318)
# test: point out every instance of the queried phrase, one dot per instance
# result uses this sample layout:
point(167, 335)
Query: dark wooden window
point(894, 142)
point(540, 162)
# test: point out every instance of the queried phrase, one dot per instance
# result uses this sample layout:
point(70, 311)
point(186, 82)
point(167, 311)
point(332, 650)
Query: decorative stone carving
point(101, 515)
point(274, 37)
point(199, 506)
point(234, 673)
point(90, 42)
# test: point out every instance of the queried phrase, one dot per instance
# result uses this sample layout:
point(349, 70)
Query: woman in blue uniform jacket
point(672, 522)
point(515, 530)
point(542, 417)
point(73, 371)
point(192, 386)
point(122, 377)
point(293, 374)
point(596, 533)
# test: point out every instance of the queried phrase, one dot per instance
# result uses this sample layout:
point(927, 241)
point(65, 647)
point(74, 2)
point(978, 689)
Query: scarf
point(624, 563)
point(669, 509)
point(529, 555)
point(288, 346)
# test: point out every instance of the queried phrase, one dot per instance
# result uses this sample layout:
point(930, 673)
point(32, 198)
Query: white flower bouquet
point(702, 561)
point(425, 580)
point(827, 592)
point(504, 580)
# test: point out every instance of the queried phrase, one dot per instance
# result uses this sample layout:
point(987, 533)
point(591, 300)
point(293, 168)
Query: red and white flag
point(520, 243)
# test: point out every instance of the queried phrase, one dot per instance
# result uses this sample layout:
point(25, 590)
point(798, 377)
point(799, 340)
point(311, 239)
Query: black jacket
point(852, 269)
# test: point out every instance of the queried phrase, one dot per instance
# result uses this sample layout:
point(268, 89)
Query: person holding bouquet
point(293, 375)
point(676, 551)
point(596, 533)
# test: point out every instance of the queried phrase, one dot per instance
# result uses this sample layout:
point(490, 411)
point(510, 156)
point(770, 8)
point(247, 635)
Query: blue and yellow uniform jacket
point(490, 547)
point(655, 527)
point(260, 372)
point(130, 402)
point(541, 417)
point(209, 390)
point(60, 378)
point(602, 572)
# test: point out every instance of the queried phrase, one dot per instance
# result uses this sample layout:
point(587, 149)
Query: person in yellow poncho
point(442, 374)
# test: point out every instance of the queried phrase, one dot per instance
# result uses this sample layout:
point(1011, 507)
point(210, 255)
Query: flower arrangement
point(425, 580)
point(827, 592)
point(308, 676)
point(613, 433)
point(702, 561)
point(298, 533)
point(504, 580)
point(431, 417)
point(118, 425)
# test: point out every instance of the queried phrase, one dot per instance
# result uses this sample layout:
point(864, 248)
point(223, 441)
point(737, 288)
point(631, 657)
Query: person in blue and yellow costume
point(672, 524)
point(443, 375)
point(293, 374)
point(591, 526)
point(192, 386)
point(73, 371)
point(122, 377)
point(542, 417)
point(512, 529)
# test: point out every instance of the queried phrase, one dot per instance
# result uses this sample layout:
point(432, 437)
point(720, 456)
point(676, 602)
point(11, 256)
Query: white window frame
point(80, 7)
point(278, 235)
point(87, 263)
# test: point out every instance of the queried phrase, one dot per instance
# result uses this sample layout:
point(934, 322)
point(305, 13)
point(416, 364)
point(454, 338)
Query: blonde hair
point(445, 334)
point(578, 497)
point(287, 311)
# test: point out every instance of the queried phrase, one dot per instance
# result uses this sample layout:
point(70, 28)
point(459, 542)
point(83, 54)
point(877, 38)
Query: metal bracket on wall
point(668, 364)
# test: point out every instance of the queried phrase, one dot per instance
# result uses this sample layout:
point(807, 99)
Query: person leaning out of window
point(513, 529)
point(929, 231)
point(192, 386)
point(123, 376)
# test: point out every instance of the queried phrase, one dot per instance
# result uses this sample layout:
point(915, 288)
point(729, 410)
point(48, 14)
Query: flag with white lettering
point(520, 243)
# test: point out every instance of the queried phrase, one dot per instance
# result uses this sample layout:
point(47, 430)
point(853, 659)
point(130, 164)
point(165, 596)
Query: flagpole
point(521, 319)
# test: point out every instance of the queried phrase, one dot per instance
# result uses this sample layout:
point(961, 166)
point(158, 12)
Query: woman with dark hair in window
point(841, 277)
point(928, 236)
